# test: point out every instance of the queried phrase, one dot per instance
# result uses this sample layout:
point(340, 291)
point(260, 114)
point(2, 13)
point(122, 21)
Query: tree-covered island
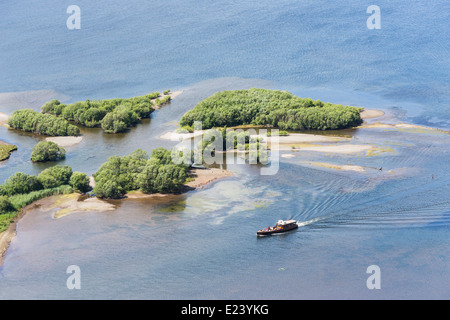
point(278, 109)
point(112, 115)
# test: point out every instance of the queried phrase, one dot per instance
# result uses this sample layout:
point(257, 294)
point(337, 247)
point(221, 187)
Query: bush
point(47, 151)
point(32, 121)
point(280, 133)
point(137, 171)
point(55, 176)
point(20, 183)
point(118, 120)
point(112, 115)
point(80, 181)
point(185, 129)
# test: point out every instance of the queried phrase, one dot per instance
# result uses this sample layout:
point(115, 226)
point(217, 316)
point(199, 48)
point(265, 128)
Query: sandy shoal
point(172, 95)
point(203, 177)
point(303, 138)
point(338, 148)
point(346, 167)
point(68, 204)
point(371, 113)
point(401, 126)
point(65, 141)
point(175, 136)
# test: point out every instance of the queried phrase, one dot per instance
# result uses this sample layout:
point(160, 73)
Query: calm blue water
point(203, 244)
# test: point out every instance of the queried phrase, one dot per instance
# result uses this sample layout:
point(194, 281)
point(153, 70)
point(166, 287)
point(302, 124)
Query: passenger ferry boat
point(281, 226)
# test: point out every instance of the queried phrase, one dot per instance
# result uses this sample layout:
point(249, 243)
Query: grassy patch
point(5, 151)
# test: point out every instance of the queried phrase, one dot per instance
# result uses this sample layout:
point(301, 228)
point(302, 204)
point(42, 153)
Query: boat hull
point(270, 232)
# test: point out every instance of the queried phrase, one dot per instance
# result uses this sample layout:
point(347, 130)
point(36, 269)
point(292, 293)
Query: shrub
point(280, 133)
point(80, 181)
point(5, 205)
point(185, 129)
point(137, 171)
point(20, 183)
point(55, 176)
point(47, 151)
point(113, 115)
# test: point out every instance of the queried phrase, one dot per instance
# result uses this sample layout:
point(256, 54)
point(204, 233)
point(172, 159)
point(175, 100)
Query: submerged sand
point(68, 204)
point(402, 126)
point(347, 167)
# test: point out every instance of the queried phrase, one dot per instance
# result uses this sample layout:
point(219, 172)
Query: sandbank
point(337, 148)
point(336, 166)
point(203, 177)
point(371, 113)
point(303, 138)
point(175, 136)
point(401, 126)
point(68, 204)
point(65, 141)
point(172, 95)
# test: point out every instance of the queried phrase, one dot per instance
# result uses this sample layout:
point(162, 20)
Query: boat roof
point(286, 221)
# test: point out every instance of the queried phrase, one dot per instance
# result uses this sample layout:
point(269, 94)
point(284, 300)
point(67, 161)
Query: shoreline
point(9, 234)
point(70, 204)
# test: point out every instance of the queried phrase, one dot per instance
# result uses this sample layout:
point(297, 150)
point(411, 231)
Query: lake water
point(202, 245)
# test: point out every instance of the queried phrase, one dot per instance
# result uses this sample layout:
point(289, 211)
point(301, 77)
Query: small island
point(272, 108)
point(112, 115)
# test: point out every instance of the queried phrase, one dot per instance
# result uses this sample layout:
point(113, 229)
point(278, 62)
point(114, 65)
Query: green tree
point(20, 183)
point(47, 151)
point(270, 107)
point(32, 121)
point(5, 205)
point(80, 182)
point(55, 176)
